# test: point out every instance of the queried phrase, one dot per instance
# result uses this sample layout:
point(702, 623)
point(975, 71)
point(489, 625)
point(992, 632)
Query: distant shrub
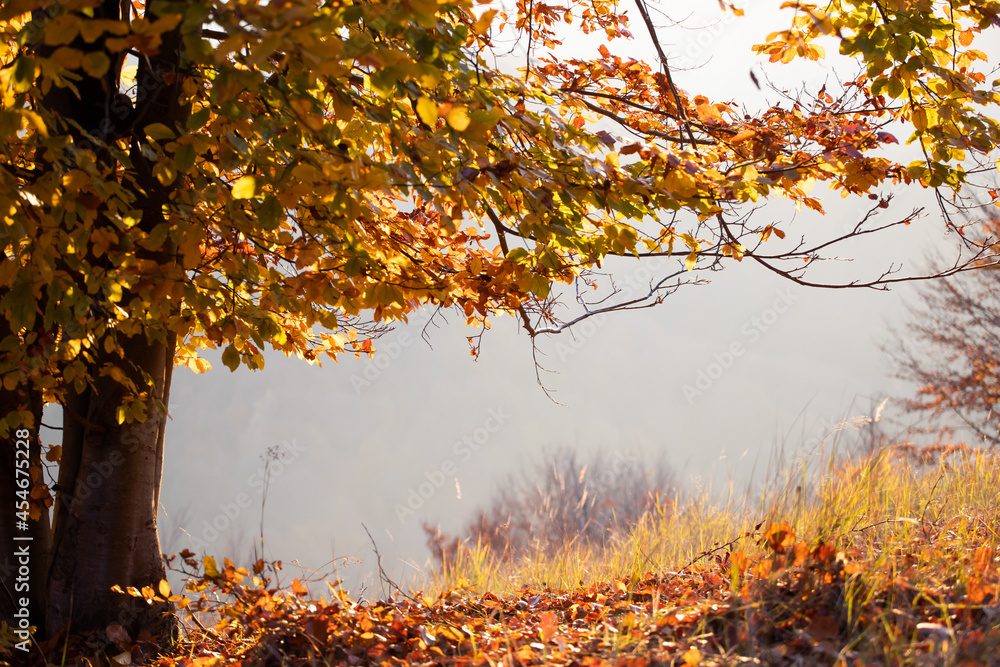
point(562, 500)
point(949, 348)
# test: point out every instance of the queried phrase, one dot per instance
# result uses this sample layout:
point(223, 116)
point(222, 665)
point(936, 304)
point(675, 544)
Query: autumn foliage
point(364, 161)
point(296, 175)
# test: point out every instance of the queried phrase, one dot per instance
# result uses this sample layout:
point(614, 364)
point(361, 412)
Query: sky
point(712, 381)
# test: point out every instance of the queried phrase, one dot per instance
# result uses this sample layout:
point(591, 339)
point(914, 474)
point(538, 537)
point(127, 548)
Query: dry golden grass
point(909, 575)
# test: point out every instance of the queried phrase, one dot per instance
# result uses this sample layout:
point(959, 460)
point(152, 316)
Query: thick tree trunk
point(103, 529)
point(104, 523)
point(105, 517)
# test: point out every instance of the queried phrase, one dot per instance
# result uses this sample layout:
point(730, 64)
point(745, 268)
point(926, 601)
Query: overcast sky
point(712, 379)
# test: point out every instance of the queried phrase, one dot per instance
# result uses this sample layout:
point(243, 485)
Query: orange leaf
point(547, 626)
point(983, 557)
point(780, 537)
point(299, 589)
point(976, 592)
point(709, 112)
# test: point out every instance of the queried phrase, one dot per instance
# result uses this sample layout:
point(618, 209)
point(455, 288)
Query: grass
point(888, 558)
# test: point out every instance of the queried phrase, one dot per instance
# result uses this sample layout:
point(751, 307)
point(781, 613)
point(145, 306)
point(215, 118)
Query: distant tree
point(950, 349)
point(295, 174)
point(563, 499)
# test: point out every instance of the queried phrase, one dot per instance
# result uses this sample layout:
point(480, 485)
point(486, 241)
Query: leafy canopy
point(324, 160)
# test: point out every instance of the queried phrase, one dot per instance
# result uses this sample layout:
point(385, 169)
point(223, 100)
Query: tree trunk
point(105, 518)
point(104, 523)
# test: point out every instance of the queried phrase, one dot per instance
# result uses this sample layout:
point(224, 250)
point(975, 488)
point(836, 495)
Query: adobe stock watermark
point(463, 450)
point(22, 539)
point(752, 331)
point(277, 459)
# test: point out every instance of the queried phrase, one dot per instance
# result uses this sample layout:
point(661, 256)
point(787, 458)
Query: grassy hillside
point(885, 559)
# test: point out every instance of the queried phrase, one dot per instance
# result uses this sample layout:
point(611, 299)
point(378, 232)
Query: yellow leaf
point(62, 30)
point(165, 171)
point(734, 250)
point(245, 187)
point(158, 131)
point(211, 569)
point(303, 109)
point(484, 22)
point(164, 588)
point(691, 242)
point(68, 58)
point(37, 121)
point(692, 657)
point(612, 159)
point(427, 110)
point(691, 260)
point(458, 118)
point(96, 63)
point(91, 30)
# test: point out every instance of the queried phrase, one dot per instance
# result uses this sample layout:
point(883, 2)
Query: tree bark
point(104, 522)
point(105, 516)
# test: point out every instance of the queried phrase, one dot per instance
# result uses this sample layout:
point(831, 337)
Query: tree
point(950, 349)
point(562, 501)
point(180, 176)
